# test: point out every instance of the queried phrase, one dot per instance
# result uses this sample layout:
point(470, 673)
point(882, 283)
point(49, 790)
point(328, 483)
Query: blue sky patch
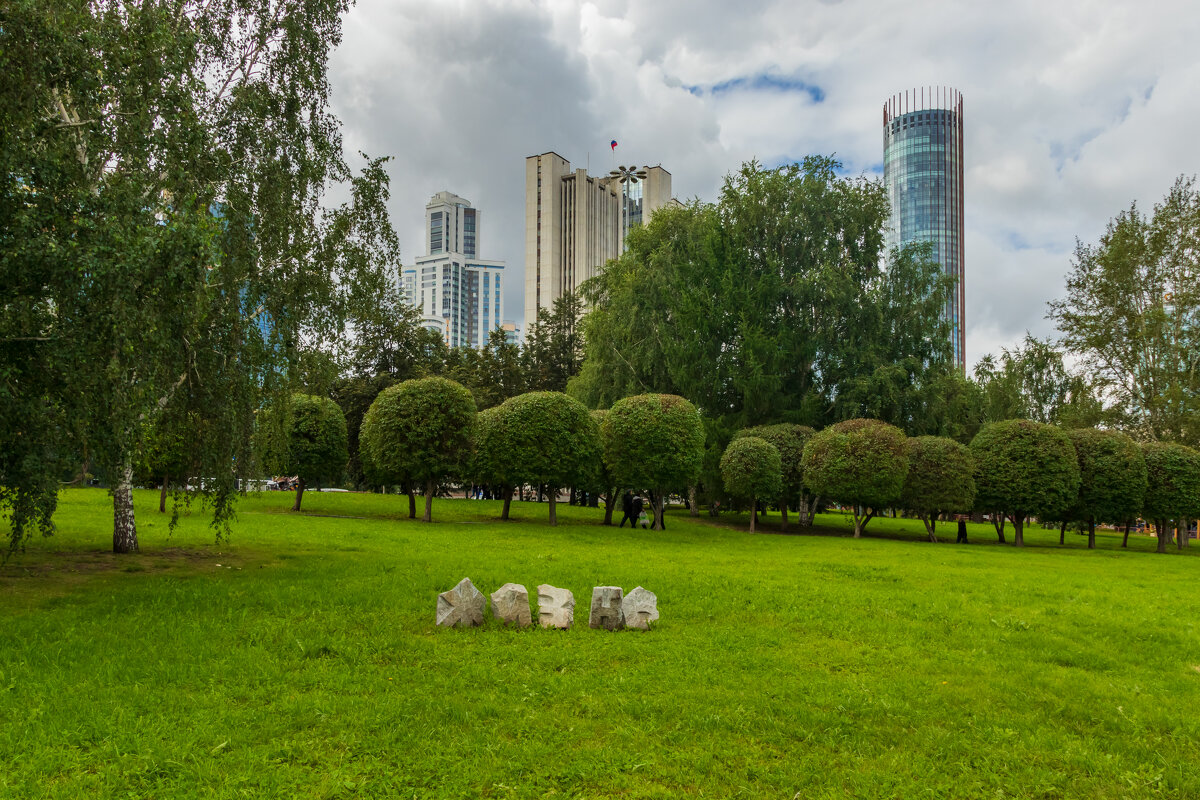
point(763, 82)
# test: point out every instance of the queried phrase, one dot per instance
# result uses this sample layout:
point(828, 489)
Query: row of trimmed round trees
point(426, 431)
point(1013, 469)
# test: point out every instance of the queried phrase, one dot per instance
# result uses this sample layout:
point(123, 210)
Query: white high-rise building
point(459, 294)
point(574, 224)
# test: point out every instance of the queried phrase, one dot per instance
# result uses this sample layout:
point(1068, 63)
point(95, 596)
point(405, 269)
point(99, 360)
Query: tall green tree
point(554, 345)
point(163, 179)
point(772, 304)
point(1132, 315)
point(1032, 382)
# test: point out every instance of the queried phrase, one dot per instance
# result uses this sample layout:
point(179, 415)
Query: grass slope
point(300, 659)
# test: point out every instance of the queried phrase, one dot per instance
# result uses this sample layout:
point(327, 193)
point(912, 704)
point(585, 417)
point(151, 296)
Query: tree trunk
point(861, 517)
point(553, 495)
point(1018, 521)
point(1181, 534)
point(659, 507)
point(783, 520)
point(753, 513)
point(999, 526)
point(412, 501)
point(1161, 529)
point(610, 503)
point(1092, 533)
point(1062, 533)
point(162, 496)
point(430, 488)
point(930, 526)
point(299, 494)
point(1125, 541)
point(125, 538)
point(694, 510)
point(508, 496)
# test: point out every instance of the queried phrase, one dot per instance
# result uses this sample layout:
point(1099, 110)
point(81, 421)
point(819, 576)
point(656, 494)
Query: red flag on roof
point(614, 144)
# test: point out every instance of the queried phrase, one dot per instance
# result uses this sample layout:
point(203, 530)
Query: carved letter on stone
point(641, 608)
point(606, 608)
point(556, 607)
point(462, 606)
point(510, 605)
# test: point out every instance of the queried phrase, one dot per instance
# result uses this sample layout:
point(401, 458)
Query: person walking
point(639, 510)
point(627, 509)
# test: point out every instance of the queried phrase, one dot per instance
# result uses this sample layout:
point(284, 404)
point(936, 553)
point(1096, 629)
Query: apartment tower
point(575, 223)
point(458, 293)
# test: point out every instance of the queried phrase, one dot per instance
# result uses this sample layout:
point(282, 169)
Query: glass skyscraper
point(923, 173)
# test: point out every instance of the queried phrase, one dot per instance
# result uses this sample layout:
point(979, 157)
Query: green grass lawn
point(300, 659)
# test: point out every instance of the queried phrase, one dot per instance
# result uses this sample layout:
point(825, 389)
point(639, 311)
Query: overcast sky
point(1072, 110)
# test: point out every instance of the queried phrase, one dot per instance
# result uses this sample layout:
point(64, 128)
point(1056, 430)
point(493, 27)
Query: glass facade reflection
point(923, 173)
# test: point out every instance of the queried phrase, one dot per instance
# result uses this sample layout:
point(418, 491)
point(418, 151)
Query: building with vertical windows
point(575, 223)
point(459, 294)
point(923, 175)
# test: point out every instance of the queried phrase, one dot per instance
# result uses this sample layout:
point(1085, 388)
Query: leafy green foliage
point(653, 441)
point(1113, 477)
point(163, 226)
point(789, 441)
point(554, 345)
point(1024, 468)
point(317, 449)
point(860, 462)
point(1173, 488)
point(771, 304)
point(1132, 314)
point(941, 477)
point(420, 431)
point(1032, 382)
point(549, 440)
point(751, 468)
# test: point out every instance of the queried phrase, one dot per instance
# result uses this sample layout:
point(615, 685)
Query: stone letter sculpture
point(641, 608)
point(462, 606)
point(556, 607)
point(606, 608)
point(510, 605)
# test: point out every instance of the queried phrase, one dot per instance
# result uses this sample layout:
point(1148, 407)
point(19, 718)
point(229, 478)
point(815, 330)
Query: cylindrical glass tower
point(923, 173)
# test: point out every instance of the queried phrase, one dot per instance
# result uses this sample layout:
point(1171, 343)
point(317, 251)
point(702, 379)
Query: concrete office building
point(459, 294)
point(575, 222)
point(923, 174)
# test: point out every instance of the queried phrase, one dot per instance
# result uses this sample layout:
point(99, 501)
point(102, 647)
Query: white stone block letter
point(510, 605)
point(641, 608)
point(462, 606)
point(606, 608)
point(556, 607)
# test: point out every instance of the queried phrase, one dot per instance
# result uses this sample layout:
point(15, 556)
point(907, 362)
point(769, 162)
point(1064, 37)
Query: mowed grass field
point(300, 659)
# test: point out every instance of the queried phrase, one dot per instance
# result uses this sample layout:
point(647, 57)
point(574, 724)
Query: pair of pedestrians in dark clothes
point(632, 506)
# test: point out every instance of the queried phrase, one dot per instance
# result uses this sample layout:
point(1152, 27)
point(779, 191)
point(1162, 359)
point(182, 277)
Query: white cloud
point(1073, 109)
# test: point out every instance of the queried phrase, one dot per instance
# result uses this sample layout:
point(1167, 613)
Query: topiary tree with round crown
point(941, 478)
point(1112, 478)
point(653, 441)
point(1173, 488)
point(551, 441)
point(316, 442)
point(752, 468)
point(860, 462)
point(789, 440)
point(1024, 468)
point(420, 431)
